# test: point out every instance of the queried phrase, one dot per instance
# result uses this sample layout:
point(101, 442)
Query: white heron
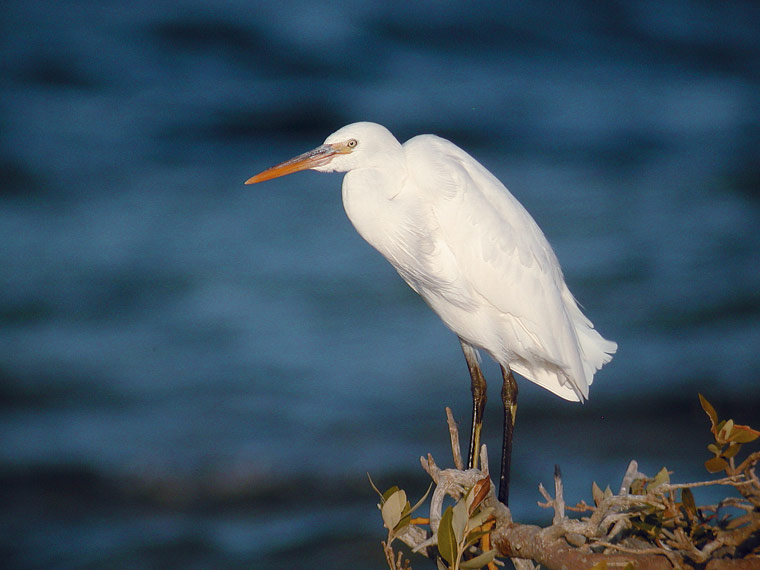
point(458, 237)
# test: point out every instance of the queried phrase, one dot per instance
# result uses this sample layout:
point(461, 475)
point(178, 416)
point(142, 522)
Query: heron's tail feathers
point(596, 351)
point(568, 383)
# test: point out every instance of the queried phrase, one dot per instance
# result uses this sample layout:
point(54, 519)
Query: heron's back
point(500, 286)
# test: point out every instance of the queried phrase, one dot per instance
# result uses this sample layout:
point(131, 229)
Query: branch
point(543, 546)
point(650, 524)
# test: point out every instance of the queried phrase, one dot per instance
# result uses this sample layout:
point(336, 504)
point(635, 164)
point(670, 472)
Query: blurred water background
point(198, 374)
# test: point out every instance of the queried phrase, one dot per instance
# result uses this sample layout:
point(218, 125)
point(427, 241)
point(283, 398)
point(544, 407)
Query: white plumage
point(459, 238)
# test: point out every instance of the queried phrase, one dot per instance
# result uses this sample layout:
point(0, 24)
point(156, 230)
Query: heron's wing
point(501, 253)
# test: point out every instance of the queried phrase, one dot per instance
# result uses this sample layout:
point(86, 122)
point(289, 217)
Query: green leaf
point(389, 492)
point(459, 520)
point(406, 517)
point(732, 450)
point(447, 544)
point(405, 521)
point(474, 536)
point(480, 560)
point(480, 517)
point(743, 434)
point(716, 464)
point(597, 494)
point(709, 410)
point(725, 430)
point(687, 499)
point(661, 478)
point(440, 564)
point(392, 509)
point(422, 500)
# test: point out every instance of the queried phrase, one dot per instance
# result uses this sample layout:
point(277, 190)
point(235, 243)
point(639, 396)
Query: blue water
point(198, 374)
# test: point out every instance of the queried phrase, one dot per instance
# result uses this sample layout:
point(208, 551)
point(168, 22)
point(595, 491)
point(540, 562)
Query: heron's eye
point(351, 143)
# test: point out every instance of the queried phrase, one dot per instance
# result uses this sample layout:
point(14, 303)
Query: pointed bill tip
point(258, 178)
point(316, 157)
point(277, 171)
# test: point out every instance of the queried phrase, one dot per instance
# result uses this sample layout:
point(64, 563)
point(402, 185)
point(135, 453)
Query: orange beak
point(317, 157)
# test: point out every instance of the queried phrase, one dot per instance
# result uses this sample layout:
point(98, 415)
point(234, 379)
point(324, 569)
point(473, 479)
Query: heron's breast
point(389, 217)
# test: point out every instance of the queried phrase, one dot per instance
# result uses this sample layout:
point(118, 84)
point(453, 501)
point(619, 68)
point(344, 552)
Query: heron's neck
point(372, 198)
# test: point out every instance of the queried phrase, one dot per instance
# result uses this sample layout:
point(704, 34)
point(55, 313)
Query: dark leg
point(509, 398)
point(478, 403)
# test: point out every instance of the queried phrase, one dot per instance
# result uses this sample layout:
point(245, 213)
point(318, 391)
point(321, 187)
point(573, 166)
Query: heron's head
point(354, 146)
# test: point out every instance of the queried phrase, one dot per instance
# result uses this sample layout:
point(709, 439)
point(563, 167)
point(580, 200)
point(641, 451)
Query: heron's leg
point(509, 398)
point(478, 402)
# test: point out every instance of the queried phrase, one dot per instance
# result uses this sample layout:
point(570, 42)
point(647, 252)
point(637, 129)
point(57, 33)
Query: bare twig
point(456, 450)
point(559, 499)
point(631, 474)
